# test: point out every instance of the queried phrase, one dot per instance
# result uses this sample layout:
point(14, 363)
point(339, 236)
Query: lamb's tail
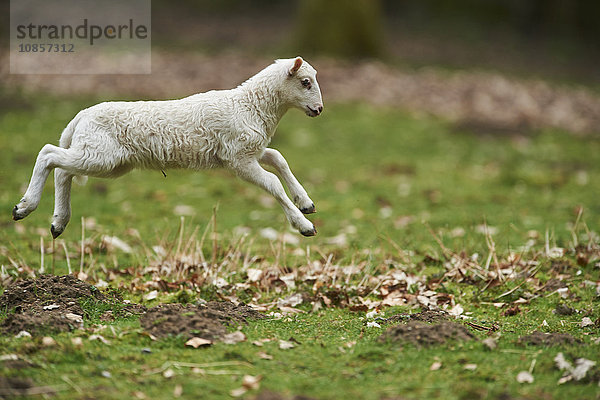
point(65, 142)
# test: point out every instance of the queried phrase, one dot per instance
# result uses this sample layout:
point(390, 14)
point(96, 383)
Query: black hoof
point(312, 232)
point(55, 232)
point(16, 216)
point(309, 210)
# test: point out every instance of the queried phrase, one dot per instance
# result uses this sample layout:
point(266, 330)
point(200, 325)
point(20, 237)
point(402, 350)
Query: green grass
point(322, 365)
point(387, 180)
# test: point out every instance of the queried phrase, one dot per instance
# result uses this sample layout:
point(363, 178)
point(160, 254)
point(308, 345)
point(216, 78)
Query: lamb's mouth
point(310, 112)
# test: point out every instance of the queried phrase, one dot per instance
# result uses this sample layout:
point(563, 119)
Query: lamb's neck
point(265, 102)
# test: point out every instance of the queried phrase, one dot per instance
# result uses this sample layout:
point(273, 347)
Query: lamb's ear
point(297, 64)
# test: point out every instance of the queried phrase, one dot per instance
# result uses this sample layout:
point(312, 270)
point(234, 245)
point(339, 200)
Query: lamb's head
point(300, 88)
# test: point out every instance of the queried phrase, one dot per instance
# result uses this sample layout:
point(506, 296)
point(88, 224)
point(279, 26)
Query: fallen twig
point(493, 328)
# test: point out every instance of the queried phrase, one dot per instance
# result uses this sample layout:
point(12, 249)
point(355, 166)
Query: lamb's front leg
point(274, 158)
point(62, 201)
point(251, 171)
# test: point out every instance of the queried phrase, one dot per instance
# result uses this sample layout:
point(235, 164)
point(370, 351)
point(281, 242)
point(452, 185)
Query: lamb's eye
point(306, 83)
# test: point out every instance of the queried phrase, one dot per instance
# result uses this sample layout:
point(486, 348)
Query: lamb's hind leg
point(41, 170)
point(274, 158)
point(62, 201)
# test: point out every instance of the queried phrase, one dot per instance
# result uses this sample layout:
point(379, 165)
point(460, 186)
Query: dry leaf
point(290, 301)
point(74, 317)
point(101, 284)
point(582, 366)
point(152, 295)
point(168, 373)
point(565, 379)
point(393, 301)
point(435, 366)
point(254, 274)
point(77, 342)
point(284, 345)
point(196, 342)
point(51, 307)
point(456, 310)
point(98, 337)
point(524, 377)
point(177, 391)
point(251, 382)
point(264, 355)
point(47, 341)
point(586, 321)
point(234, 337)
point(260, 342)
point(151, 336)
point(289, 310)
point(238, 392)
point(556, 252)
point(470, 367)
point(509, 312)
point(562, 363)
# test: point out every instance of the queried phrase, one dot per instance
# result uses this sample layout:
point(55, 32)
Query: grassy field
point(488, 221)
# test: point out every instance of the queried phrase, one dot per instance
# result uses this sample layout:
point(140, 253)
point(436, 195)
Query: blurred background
point(451, 112)
point(555, 38)
point(479, 62)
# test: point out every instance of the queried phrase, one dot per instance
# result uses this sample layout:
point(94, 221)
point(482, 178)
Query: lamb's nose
point(320, 108)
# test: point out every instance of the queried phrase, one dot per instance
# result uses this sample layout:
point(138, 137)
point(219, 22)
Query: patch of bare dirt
point(422, 334)
point(429, 316)
point(207, 321)
point(49, 304)
point(11, 387)
point(563, 309)
point(547, 339)
point(47, 288)
point(42, 304)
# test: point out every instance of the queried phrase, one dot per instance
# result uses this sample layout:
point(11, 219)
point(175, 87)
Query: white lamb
point(224, 128)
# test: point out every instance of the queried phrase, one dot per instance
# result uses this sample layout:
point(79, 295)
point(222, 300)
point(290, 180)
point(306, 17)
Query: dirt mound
point(51, 304)
point(547, 339)
point(51, 289)
point(563, 309)
point(11, 387)
point(429, 316)
point(422, 334)
point(43, 304)
point(206, 321)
